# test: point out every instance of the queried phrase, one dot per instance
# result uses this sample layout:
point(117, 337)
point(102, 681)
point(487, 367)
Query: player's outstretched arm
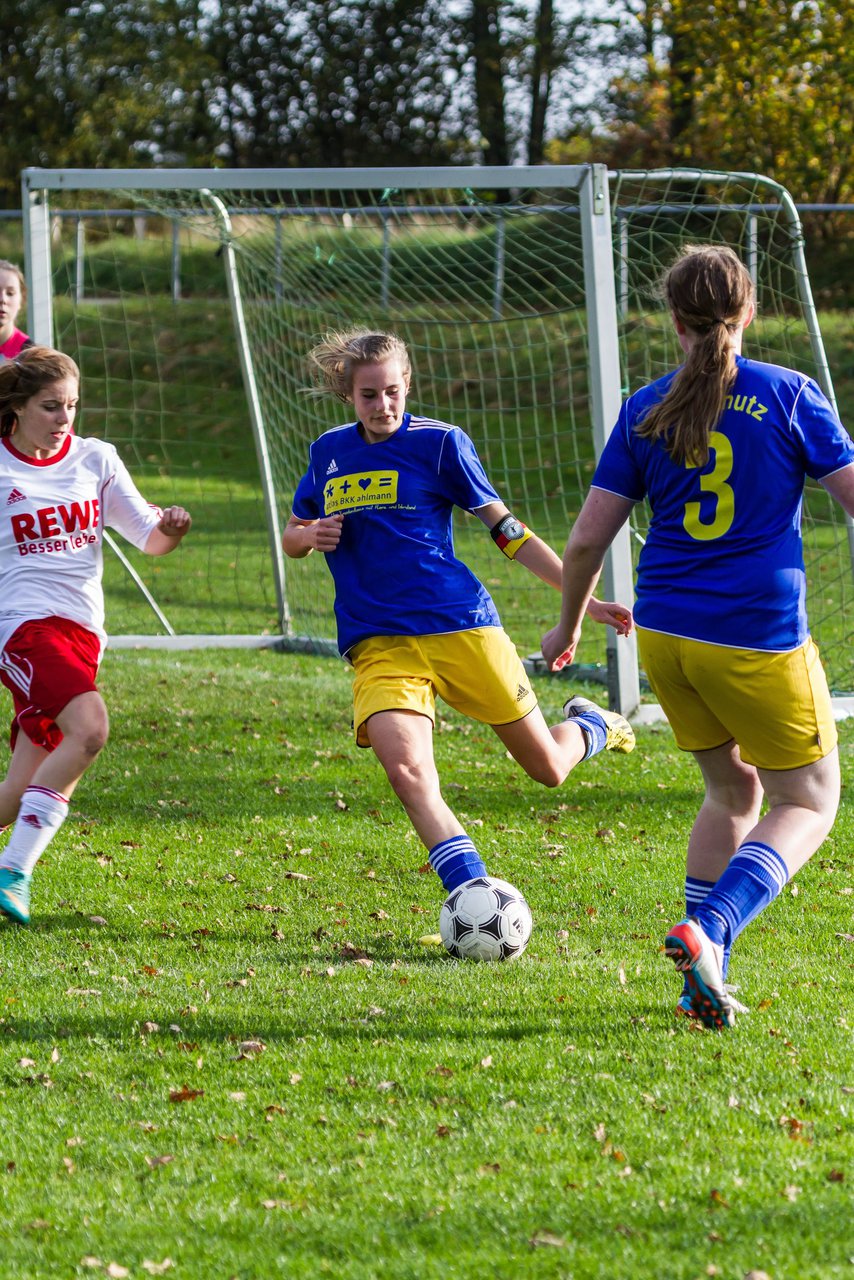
point(601, 518)
point(301, 537)
point(165, 536)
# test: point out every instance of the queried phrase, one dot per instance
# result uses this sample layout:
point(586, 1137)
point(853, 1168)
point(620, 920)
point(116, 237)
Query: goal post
point(525, 296)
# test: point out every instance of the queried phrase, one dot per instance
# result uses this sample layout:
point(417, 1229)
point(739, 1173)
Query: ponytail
point(709, 291)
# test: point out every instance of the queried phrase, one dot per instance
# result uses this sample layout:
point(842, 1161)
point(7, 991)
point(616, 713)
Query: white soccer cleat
point(620, 734)
point(701, 961)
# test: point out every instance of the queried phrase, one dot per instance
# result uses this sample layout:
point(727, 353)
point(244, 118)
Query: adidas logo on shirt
point(332, 468)
point(521, 692)
point(15, 496)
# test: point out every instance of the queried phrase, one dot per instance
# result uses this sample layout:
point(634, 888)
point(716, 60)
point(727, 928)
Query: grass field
point(225, 1053)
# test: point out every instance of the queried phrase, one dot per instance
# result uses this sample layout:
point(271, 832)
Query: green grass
point(414, 1117)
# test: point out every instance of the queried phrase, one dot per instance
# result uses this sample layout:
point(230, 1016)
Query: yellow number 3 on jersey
point(714, 482)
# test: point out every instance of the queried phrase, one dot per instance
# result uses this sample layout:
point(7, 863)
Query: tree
point(336, 82)
point(98, 85)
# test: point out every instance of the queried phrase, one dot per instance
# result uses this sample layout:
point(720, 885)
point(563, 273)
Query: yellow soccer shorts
point(775, 705)
point(477, 672)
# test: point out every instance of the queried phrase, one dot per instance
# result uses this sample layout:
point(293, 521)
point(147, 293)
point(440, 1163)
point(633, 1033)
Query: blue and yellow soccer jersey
point(394, 569)
point(723, 560)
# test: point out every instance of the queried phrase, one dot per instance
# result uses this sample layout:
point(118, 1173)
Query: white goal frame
point(604, 240)
point(589, 180)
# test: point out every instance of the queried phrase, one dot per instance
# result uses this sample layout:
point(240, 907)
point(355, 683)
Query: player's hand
point(325, 534)
point(558, 648)
point(175, 522)
point(611, 614)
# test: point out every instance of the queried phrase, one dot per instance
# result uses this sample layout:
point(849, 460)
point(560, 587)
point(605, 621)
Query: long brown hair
point(336, 357)
point(709, 290)
point(28, 374)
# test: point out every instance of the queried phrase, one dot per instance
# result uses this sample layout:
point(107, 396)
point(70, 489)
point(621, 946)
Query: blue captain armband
point(509, 535)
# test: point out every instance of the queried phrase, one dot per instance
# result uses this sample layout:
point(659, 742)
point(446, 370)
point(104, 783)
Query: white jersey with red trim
point(53, 512)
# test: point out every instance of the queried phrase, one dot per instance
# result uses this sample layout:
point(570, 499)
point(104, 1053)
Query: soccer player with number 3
point(58, 492)
point(721, 449)
point(378, 500)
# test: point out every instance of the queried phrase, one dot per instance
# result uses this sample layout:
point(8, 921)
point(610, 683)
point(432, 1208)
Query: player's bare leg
point(729, 811)
point(85, 727)
point(26, 759)
point(802, 805)
point(44, 802)
point(546, 754)
point(403, 743)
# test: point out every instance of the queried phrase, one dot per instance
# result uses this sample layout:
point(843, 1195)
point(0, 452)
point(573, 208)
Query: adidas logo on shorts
point(15, 496)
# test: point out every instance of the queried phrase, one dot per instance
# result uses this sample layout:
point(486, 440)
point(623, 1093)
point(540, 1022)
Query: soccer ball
point(485, 919)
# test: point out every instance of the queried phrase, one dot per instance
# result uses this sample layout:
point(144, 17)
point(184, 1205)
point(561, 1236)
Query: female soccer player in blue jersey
point(721, 449)
point(378, 499)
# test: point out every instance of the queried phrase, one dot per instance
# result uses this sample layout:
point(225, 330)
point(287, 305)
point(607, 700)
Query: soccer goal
point(526, 297)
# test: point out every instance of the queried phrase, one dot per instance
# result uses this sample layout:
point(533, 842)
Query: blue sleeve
point(305, 505)
point(827, 446)
point(461, 472)
point(618, 469)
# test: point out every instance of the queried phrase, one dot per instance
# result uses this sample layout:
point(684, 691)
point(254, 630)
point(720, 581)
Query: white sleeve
point(124, 508)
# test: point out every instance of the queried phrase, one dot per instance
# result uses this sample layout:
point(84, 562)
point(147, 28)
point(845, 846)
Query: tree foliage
point(763, 86)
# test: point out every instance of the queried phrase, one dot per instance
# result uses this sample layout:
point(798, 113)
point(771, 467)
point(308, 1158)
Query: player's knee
point(549, 773)
point(410, 782)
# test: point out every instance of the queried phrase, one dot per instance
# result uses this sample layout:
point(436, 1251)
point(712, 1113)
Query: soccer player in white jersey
point(378, 500)
point(721, 448)
point(58, 492)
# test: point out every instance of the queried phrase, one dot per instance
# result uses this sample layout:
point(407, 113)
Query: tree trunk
point(541, 79)
point(489, 81)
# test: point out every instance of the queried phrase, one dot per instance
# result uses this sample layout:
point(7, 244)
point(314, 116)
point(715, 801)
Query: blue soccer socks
point(755, 876)
point(603, 730)
point(455, 861)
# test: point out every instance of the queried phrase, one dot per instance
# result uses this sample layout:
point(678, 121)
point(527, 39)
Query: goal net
point(526, 298)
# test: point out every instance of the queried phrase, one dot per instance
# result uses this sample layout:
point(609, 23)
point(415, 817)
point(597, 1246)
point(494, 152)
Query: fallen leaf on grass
point(430, 940)
point(116, 1271)
point(250, 1049)
point(846, 937)
point(38, 1224)
point(489, 1168)
point(157, 1268)
point(836, 1175)
point(791, 1193)
point(154, 1161)
point(185, 1094)
point(717, 1199)
point(541, 1239)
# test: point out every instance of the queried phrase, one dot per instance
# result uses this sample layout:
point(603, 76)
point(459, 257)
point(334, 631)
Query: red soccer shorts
point(45, 664)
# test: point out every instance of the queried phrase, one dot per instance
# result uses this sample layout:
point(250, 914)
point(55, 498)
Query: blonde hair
point(709, 290)
point(28, 374)
point(335, 359)
point(16, 270)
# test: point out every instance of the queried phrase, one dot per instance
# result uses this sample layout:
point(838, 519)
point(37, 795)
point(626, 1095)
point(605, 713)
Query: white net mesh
point(488, 294)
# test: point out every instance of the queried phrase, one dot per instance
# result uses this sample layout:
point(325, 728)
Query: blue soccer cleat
point(15, 895)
